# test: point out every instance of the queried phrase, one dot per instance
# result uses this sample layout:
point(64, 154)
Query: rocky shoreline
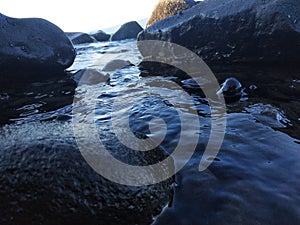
point(44, 178)
point(221, 33)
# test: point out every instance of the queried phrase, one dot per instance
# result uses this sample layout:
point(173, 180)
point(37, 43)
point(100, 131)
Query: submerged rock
point(90, 76)
point(128, 30)
point(167, 8)
point(45, 180)
point(235, 31)
point(33, 44)
point(269, 115)
point(78, 38)
point(116, 64)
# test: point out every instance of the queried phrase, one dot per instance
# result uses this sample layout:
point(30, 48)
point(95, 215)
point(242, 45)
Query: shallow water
point(255, 178)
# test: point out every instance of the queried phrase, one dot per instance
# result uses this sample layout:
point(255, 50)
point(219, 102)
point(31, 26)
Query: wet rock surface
point(33, 44)
point(235, 31)
point(231, 89)
point(45, 180)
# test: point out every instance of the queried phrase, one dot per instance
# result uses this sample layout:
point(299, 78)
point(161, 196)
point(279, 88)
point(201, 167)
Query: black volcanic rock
point(33, 44)
point(128, 30)
point(235, 31)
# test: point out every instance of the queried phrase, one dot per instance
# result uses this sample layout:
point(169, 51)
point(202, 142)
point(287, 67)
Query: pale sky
point(87, 15)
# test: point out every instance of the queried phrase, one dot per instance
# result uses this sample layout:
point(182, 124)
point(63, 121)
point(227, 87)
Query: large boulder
point(78, 38)
point(100, 35)
point(167, 8)
point(128, 30)
point(235, 31)
point(45, 180)
point(33, 44)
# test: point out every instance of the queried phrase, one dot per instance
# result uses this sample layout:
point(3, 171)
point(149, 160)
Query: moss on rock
point(167, 8)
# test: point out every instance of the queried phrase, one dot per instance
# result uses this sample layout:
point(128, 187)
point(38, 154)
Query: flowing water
point(255, 177)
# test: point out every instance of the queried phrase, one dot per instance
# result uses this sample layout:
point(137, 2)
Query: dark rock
point(33, 44)
point(235, 31)
point(160, 69)
point(128, 30)
point(100, 35)
point(78, 38)
point(231, 89)
point(45, 180)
